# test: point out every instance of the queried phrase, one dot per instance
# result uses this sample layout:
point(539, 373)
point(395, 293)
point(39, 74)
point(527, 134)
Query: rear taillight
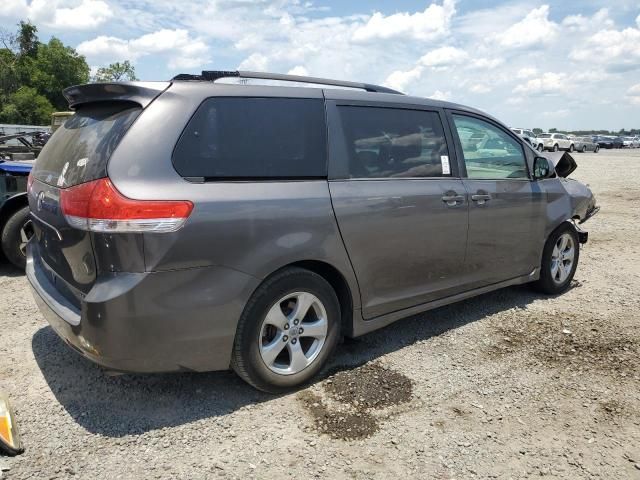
point(29, 181)
point(98, 207)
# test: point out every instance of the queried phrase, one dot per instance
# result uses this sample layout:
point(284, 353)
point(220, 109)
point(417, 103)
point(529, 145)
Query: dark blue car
point(15, 224)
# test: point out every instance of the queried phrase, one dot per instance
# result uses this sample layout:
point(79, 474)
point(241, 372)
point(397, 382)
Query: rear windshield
point(79, 150)
point(254, 138)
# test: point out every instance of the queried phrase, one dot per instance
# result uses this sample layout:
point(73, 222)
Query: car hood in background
point(563, 162)
point(16, 167)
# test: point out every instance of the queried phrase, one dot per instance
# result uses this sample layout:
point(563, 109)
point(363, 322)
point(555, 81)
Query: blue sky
point(565, 64)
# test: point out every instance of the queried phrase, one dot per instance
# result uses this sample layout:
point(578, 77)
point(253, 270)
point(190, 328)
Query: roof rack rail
point(213, 75)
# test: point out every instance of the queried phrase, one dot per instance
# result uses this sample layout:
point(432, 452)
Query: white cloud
point(533, 30)
point(255, 62)
point(399, 80)
point(616, 48)
point(440, 95)
point(634, 94)
point(583, 24)
point(298, 70)
point(58, 14)
point(486, 63)
point(480, 88)
point(547, 84)
point(182, 50)
point(526, 72)
point(444, 57)
point(561, 113)
point(552, 83)
point(430, 24)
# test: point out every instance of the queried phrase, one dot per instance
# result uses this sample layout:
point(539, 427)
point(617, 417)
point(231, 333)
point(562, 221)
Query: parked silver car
point(585, 144)
point(193, 225)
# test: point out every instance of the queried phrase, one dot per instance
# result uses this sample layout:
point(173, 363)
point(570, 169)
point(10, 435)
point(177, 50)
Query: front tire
point(556, 147)
point(584, 149)
point(571, 148)
point(597, 149)
point(15, 235)
point(559, 260)
point(288, 330)
point(540, 148)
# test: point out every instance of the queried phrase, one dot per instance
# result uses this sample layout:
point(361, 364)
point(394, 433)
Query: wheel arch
point(12, 205)
point(338, 282)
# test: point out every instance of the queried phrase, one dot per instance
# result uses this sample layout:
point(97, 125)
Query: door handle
point(481, 198)
point(453, 199)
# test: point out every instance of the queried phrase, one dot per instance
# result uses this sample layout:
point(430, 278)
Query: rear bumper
point(148, 322)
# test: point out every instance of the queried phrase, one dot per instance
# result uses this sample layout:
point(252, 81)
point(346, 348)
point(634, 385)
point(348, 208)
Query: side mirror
point(542, 168)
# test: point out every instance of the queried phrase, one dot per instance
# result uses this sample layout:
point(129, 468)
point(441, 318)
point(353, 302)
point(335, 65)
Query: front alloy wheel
point(562, 258)
point(559, 260)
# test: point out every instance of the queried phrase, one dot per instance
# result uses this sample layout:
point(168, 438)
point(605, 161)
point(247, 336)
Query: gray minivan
point(195, 225)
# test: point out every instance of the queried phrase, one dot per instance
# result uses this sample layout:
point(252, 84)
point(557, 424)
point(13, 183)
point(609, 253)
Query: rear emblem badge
point(40, 200)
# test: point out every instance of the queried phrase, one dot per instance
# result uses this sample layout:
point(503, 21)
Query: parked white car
point(631, 142)
point(556, 141)
point(529, 137)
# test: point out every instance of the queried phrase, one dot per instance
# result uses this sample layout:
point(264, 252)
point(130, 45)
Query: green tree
point(538, 131)
point(26, 106)
point(32, 71)
point(116, 72)
point(55, 68)
point(553, 130)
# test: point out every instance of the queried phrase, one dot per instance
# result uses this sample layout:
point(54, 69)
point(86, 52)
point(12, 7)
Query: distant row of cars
point(560, 141)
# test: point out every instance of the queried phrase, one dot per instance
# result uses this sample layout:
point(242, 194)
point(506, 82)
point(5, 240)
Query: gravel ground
point(506, 385)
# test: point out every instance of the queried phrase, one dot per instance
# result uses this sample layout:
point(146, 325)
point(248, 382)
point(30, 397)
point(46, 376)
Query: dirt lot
point(507, 385)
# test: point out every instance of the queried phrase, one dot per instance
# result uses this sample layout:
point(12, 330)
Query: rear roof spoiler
point(141, 93)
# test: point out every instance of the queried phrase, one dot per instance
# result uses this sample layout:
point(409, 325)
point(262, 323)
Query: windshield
point(544, 135)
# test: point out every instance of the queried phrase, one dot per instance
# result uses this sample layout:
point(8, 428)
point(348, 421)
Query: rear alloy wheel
point(559, 260)
point(288, 330)
point(540, 148)
point(571, 148)
point(556, 147)
point(597, 149)
point(584, 149)
point(15, 235)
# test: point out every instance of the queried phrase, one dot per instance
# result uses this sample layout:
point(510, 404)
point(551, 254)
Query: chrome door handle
point(453, 200)
point(481, 198)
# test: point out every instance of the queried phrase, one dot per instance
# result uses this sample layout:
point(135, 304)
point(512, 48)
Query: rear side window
point(79, 150)
point(259, 138)
point(392, 142)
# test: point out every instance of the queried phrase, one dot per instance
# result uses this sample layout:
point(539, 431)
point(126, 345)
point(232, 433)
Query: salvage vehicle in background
point(556, 141)
point(529, 137)
point(603, 141)
point(585, 144)
point(15, 224)
point(192, 225)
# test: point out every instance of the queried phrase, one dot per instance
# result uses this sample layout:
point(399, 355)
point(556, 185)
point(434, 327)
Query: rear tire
point(268, 344)
point(559, 260)
point(15, 235)
point(597, 149)
point(571, 148)
point(584, 149)
point(556, 147)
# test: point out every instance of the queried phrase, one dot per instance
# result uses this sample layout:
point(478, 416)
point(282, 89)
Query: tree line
point(33, 75)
